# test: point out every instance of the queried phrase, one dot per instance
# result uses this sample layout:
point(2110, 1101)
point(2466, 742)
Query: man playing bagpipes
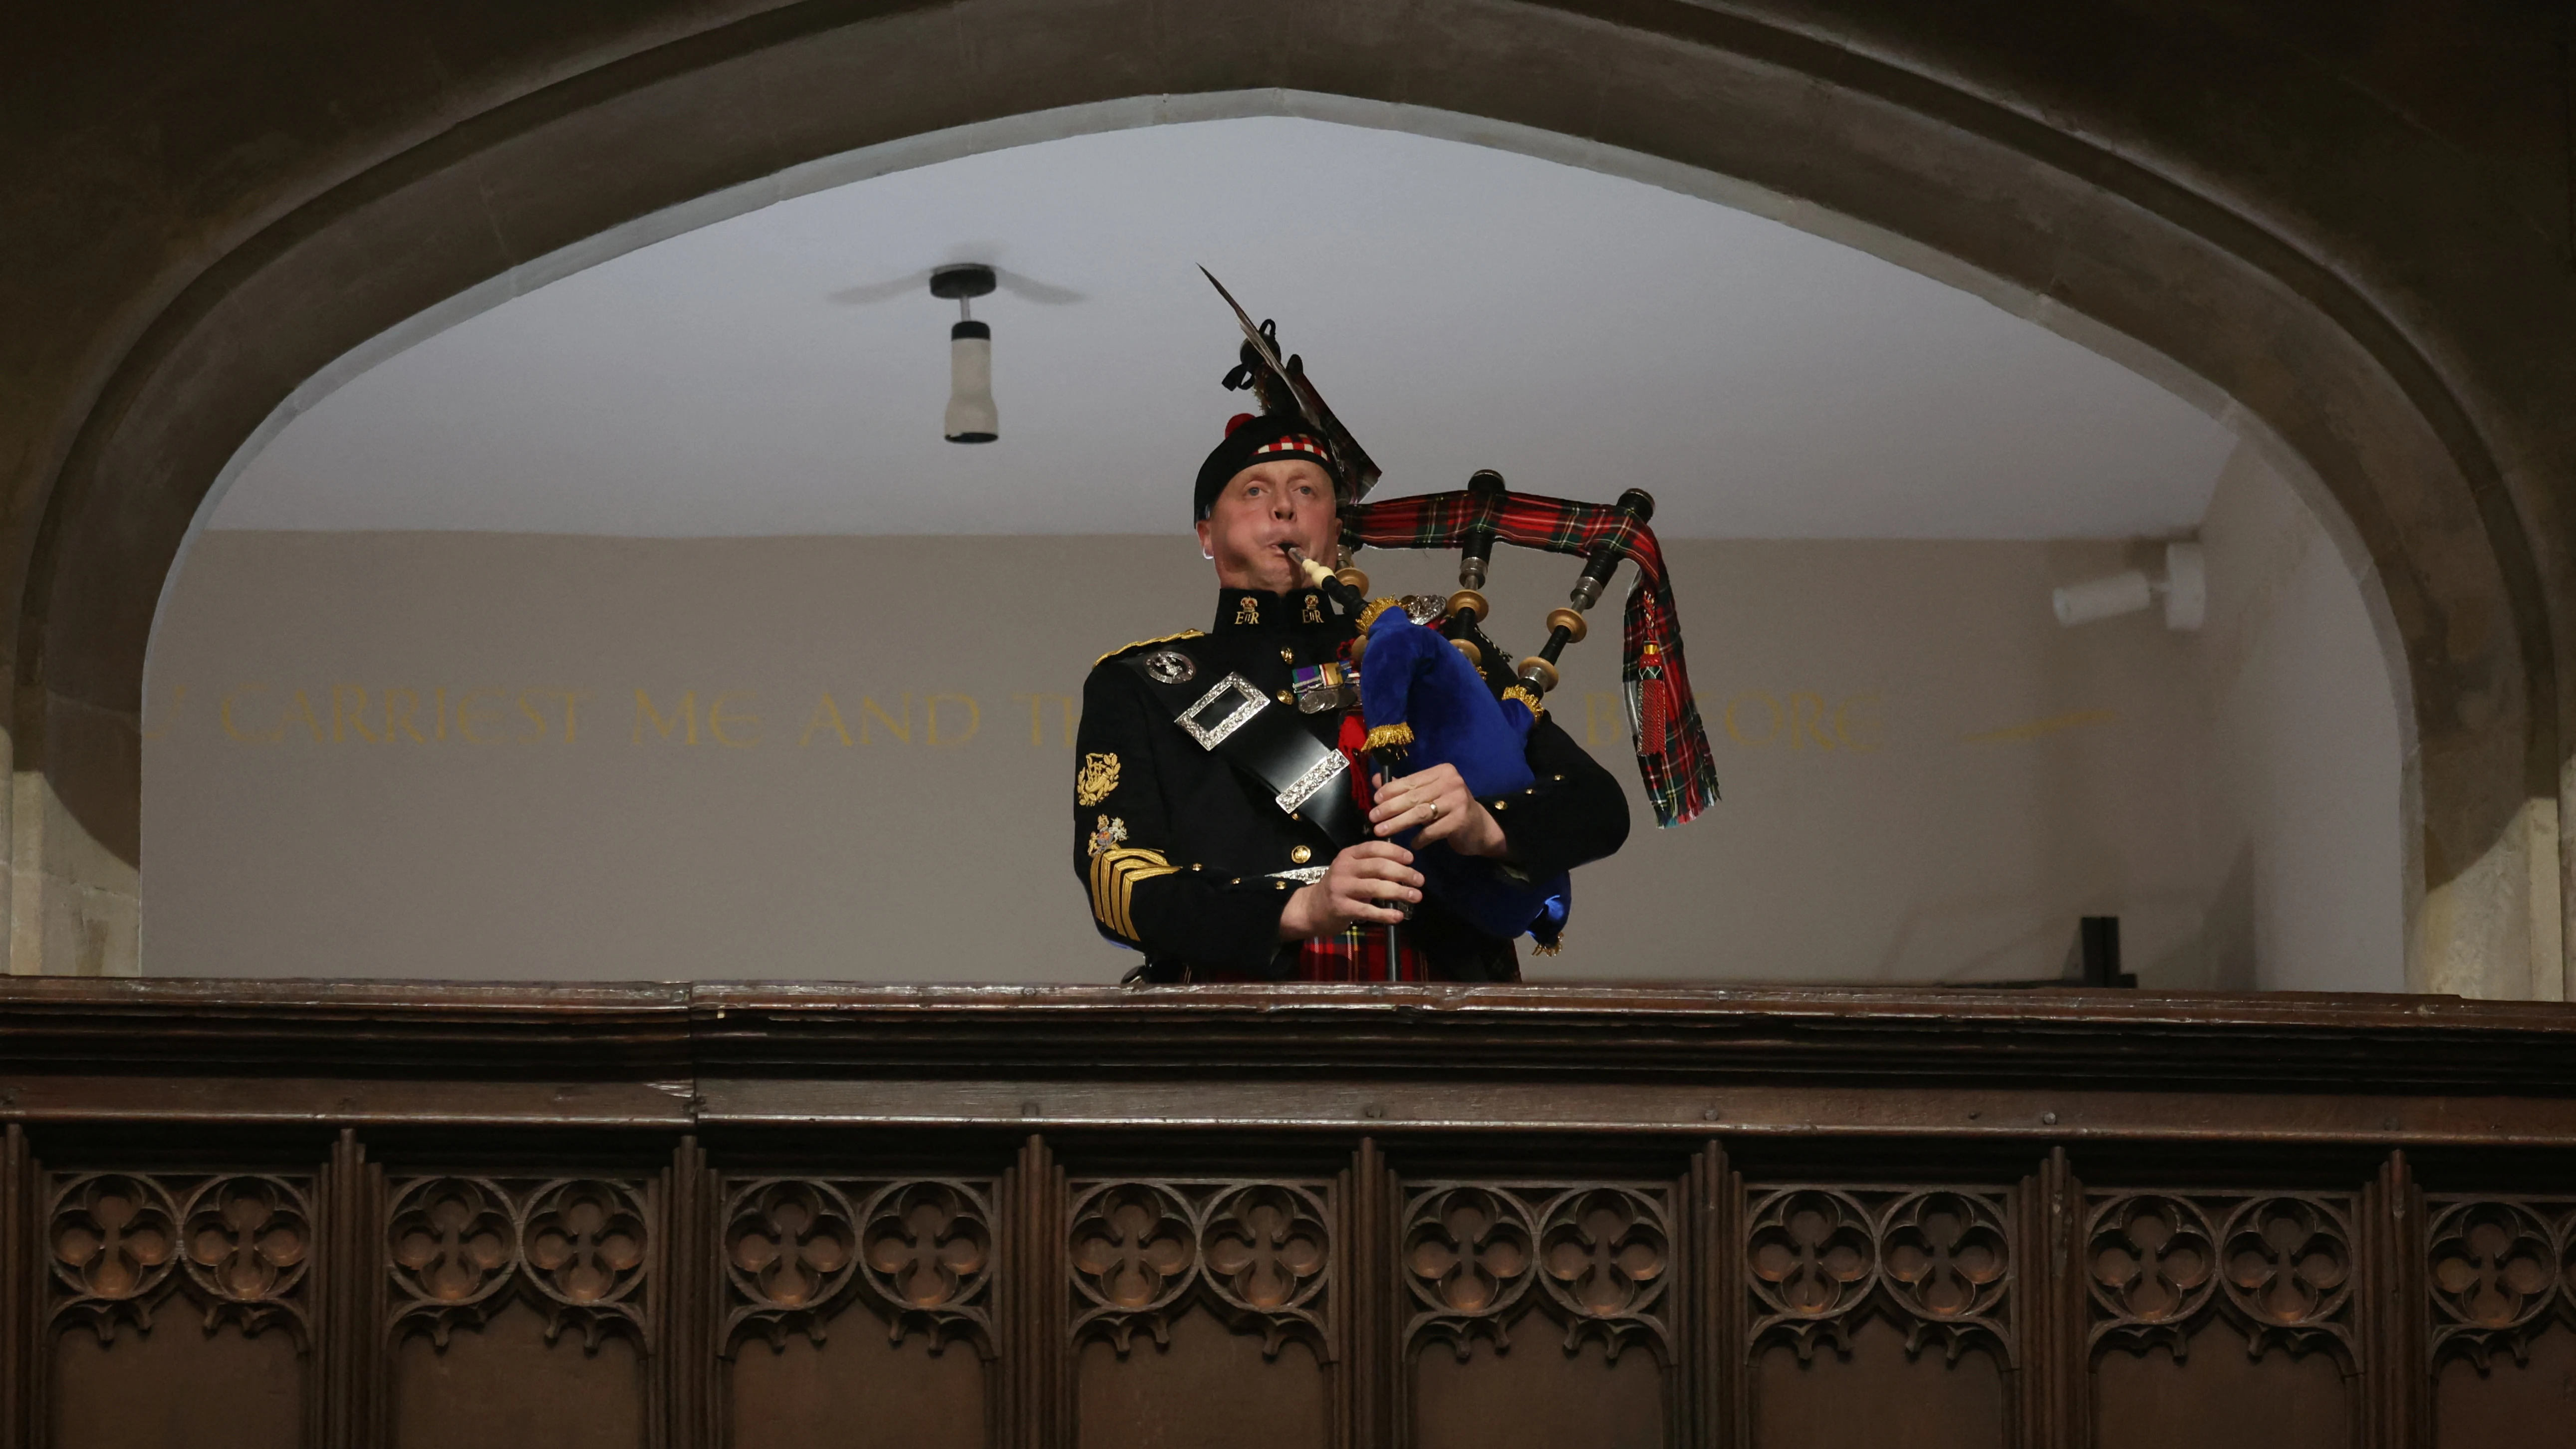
point(1320, 787)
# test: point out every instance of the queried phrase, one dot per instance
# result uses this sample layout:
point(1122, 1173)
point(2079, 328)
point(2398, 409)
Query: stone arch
point(2099, 230)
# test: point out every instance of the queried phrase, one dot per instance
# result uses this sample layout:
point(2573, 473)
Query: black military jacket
point(1189, 858)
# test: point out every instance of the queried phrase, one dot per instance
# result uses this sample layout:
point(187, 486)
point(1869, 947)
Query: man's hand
point(1352, 891)
point(1436, 800)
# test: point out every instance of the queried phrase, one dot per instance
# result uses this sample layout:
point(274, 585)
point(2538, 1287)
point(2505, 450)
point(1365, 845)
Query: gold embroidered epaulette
point(1141, 643)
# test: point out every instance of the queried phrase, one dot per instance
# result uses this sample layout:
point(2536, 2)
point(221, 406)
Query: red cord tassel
point(1654, 703)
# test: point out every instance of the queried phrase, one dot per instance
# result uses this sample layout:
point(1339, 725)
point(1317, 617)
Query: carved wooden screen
point(2214, 1316)
point(1171, 1259)
point(2501, 1274)
point(859, 1301)
point(1537, 1313)
point(1880, 1313)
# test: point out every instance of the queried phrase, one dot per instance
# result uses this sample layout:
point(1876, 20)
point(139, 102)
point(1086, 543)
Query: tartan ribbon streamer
point(1680, 777)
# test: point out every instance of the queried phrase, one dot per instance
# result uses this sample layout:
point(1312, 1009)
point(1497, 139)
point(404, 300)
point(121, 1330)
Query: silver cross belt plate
point(1223, 710)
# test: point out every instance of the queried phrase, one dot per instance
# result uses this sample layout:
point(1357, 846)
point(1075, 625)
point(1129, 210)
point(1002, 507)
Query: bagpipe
point(1435, 688)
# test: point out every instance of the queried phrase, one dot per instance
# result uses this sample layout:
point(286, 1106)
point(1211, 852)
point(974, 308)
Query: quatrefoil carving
point(1258, 1254)
point(1135, 1250)
point(790, 1248)
point(1937, 1261)
point(2151, 1267)
point(921, 1251)
point(928, 1254)
point(453, 1243)
point(114, 1241)
point(247, 1242)
point(2286, 1264)
point(1812, 1256)
point(239, 1245)
point(583, 1243)
point(1942, 1258)
point(2494, 1275)
point(1607, 1258)
point(1266, 1247)
point(1469, 1256)
point(2279, 1267)
point(579, 1248)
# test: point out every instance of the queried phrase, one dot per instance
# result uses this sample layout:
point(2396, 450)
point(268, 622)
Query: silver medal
point(1170, 666)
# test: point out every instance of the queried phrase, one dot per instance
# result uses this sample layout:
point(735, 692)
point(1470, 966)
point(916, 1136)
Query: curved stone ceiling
point(1463, 307)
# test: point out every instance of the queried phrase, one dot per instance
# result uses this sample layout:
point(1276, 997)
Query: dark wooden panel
point(505, 1384)
point(856, 1390)
point(177, 1385)
point(1538, 1396)
point(2224, 1319)
point(1877, 1394)
point(699, 1300)
point(1209, 1387)
point(2221, 1398)
point(2527, 1405)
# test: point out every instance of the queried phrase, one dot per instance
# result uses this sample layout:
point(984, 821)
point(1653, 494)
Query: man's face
point(1288, 500)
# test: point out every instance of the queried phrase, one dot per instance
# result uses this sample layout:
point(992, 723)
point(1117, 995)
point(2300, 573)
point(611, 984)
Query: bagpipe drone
point(1434, 687)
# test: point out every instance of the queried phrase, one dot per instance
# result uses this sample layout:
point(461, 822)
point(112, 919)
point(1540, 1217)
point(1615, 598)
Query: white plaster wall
point(2301, 822)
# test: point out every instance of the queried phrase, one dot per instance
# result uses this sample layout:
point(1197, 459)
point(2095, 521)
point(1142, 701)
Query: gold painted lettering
point(1037, 716)
point(346, 716)
point(178, 697)
point(1858, 733)
point(974, 718)
point(1736, 733)
point(233, 728)
point(535, 717)
point(1807, 721)
point(402, 721)
point(901, 729)
point(718, 718)
point(1599, 705)
point(825, 712)
point(688, 710)
point(304, 710)
point(468, 715)
point(572, 699)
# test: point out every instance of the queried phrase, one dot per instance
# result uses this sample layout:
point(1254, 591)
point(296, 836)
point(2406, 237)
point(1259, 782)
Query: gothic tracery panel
point(458, 1248)
point(1258, 1254)
point(2161, 1266)
point(1598, 1255)
point(2499, 1272)
point(122, 1244)
point(917, 1252)
point(1935, 1261)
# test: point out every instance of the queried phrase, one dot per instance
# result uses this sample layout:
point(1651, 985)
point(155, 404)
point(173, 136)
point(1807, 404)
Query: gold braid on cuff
point(1114, 876)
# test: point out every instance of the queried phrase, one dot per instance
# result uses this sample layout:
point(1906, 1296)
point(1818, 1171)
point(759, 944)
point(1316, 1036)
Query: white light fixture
point(972, 418)
point(2185, 588)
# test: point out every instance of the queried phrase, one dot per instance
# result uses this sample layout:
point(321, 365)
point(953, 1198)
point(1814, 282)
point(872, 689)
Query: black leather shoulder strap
point(1230, 718)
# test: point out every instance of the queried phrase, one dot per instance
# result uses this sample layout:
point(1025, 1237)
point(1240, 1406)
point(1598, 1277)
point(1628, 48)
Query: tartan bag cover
point(1680, 771)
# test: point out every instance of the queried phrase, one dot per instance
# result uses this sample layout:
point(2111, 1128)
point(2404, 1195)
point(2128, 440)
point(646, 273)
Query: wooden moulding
point(1690, 1061)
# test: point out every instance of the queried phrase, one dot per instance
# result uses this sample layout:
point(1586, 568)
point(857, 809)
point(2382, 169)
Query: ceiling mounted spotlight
point(972, 418)
point(2185, 588)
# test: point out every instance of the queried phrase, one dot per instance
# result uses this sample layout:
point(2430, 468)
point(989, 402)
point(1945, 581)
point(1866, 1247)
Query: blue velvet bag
point(1411, 675)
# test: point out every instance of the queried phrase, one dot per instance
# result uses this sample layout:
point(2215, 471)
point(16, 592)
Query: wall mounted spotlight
point(972, 418)
point(2185, 589)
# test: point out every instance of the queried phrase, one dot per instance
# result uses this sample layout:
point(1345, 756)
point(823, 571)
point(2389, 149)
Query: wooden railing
point(343, 1214)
